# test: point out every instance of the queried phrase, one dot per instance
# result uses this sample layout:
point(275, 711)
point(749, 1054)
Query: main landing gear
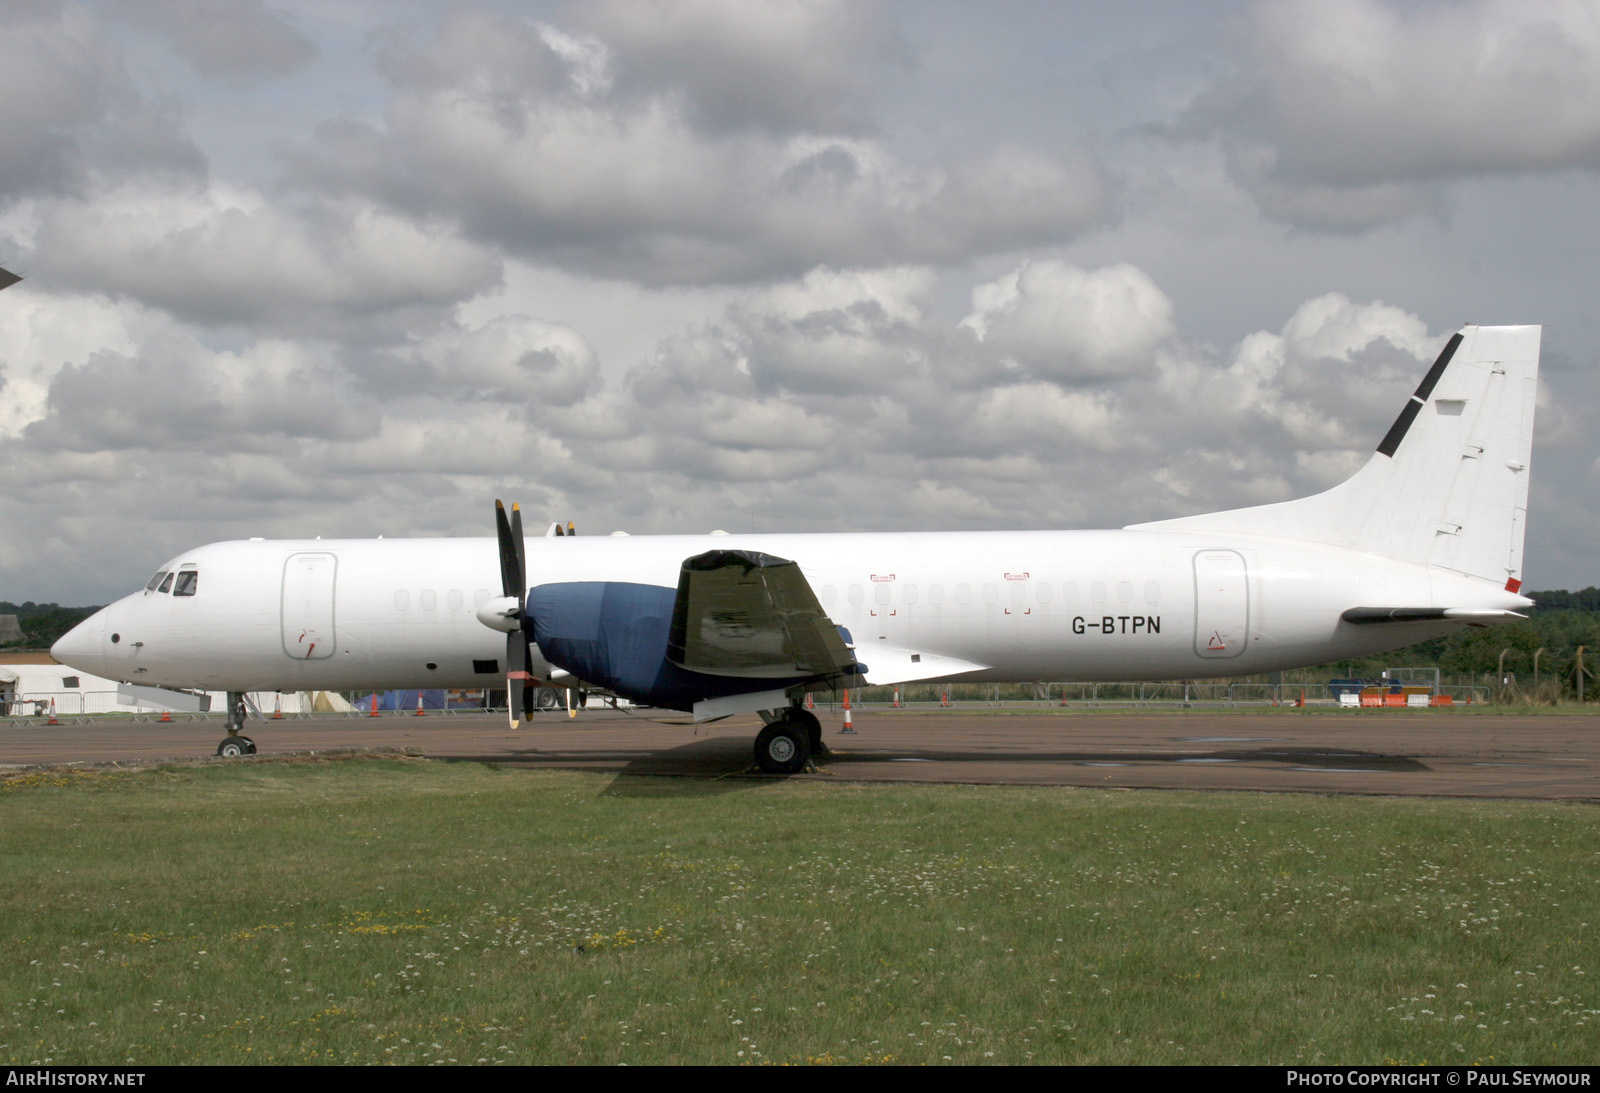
point(235, 745)
point(789, 740)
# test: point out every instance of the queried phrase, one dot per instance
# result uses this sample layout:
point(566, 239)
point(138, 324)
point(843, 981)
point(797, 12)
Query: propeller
point(508, 613)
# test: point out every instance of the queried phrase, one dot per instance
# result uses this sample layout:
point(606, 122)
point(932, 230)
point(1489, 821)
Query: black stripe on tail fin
point(1408, 413)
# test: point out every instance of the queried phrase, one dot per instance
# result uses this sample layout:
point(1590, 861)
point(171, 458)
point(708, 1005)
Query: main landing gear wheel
point(235, 746)
point(808, 721)
point(783, 747)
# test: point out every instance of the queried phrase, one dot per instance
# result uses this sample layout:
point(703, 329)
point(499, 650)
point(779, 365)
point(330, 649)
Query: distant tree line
point(1559, 624)
point(42, 623)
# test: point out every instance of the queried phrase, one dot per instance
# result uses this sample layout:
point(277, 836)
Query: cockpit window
point(151, 587)
point(166, 585)
point(188, 580)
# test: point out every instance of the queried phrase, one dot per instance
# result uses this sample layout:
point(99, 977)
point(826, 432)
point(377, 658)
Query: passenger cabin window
point(166, 585)
point(156, 581)
point(188, 581)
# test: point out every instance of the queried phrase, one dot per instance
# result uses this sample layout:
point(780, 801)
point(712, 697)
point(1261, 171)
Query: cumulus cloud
point(1346, 115)
point(825, 402)
point(517, 132)
point(226, 254)
point(235, 39)
point(1088, 402)
point(513, 357)
point(1288, 412)
point(39, 333)
point(1073, 325)
point(783, 65)
point(72, 112)
point(175, 394)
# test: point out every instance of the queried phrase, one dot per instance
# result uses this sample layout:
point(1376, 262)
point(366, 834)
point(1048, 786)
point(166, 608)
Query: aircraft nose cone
point(84, 646)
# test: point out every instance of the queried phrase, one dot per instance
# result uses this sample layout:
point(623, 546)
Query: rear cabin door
point(308, 583)
point(1221, 604)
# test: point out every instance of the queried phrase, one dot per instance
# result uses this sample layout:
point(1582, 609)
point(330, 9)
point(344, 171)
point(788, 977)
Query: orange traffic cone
point(420, 711)
point(848, 727)
point(277, 708)
point(374, 712)
point(52, 720)
point(166, 715)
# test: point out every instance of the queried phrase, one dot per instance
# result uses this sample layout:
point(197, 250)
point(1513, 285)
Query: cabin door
point(308, 581)
point(1221, 604)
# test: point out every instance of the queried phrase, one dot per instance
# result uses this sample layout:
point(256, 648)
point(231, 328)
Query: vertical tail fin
point(1448, 484)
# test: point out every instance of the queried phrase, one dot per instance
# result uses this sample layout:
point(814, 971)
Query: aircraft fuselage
point(347, 614)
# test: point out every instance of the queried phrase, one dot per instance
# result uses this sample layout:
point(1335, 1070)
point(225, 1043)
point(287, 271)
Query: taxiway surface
point(1407, 753)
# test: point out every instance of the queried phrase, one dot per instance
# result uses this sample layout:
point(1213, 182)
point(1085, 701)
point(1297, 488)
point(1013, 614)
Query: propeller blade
point(514, 583)
point(521, 694)
point(516, 676)
point(519, 547)
point(510, 571)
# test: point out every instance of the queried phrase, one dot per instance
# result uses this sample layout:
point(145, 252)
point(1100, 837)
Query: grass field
point(426, 912)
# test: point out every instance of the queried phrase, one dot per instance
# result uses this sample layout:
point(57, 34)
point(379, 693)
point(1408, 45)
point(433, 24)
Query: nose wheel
point(235, 745)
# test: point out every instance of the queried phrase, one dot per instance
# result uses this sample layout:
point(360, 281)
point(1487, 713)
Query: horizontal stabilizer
point(1472, 616)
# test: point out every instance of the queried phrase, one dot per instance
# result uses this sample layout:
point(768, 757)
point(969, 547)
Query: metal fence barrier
point(35, 706)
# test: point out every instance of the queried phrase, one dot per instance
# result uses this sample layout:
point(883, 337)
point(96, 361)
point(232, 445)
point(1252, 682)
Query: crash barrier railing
point(1222, 693)
point(34, 707)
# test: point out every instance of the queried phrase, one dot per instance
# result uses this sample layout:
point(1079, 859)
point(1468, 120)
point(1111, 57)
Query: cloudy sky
point(353, 269)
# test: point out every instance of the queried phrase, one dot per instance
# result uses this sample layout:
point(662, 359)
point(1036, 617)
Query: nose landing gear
point(235, 745)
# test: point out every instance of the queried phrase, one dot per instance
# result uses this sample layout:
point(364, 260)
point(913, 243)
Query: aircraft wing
point(745, 613)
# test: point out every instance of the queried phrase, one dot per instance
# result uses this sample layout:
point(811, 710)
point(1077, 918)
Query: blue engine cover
point(614, 635)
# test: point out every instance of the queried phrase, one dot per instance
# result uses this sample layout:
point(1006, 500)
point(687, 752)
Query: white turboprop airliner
point(1425, 538)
